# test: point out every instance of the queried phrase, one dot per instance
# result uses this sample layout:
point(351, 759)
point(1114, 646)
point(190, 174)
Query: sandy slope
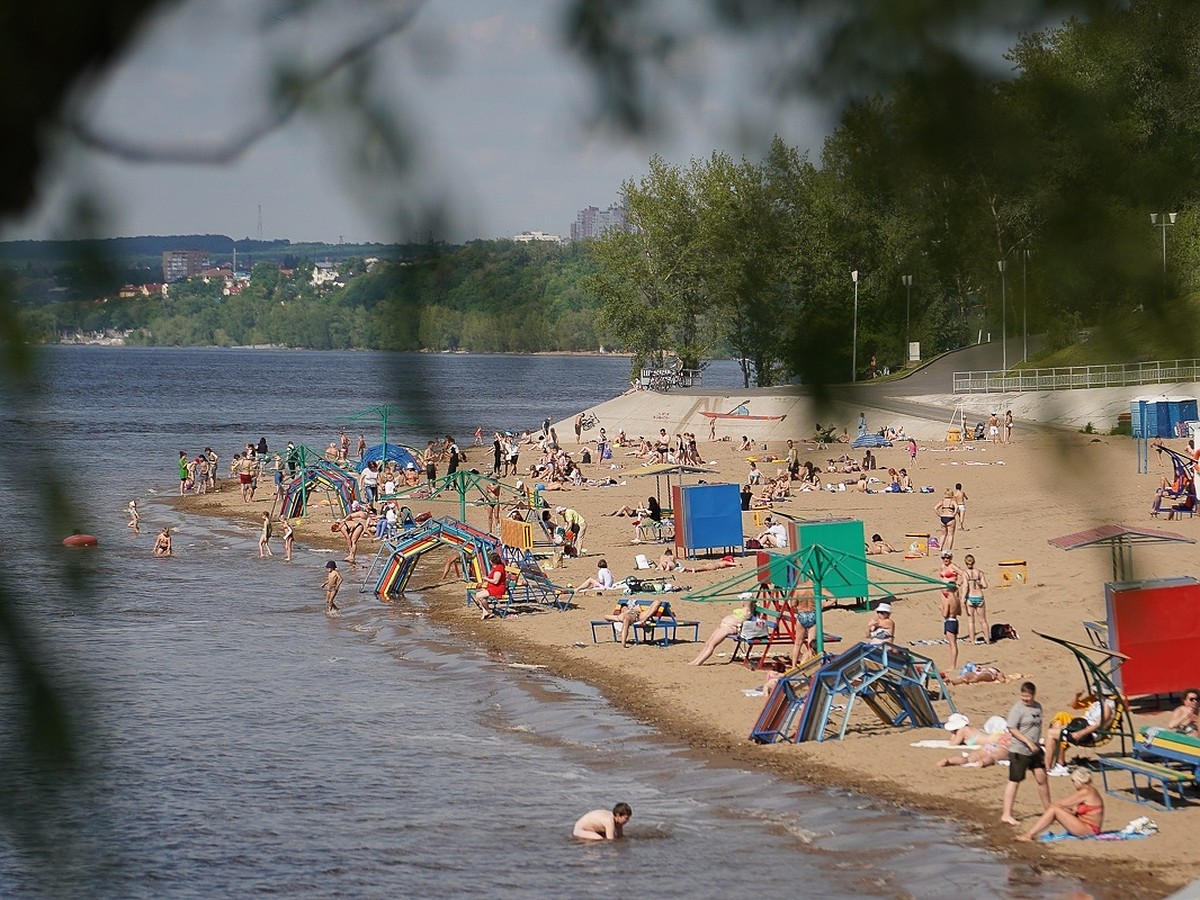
point(1049, 482)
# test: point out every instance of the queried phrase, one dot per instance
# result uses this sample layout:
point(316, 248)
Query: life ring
point(80, 540)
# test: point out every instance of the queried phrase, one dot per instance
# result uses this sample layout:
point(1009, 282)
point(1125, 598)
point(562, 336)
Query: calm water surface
point(242, 743)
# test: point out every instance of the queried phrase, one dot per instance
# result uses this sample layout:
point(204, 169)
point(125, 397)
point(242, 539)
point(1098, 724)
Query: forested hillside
point(488, 296)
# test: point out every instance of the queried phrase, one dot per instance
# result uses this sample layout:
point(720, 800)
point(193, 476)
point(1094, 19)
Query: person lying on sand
point(725, 562)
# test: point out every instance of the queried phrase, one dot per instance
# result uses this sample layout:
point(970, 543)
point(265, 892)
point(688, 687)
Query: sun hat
point(884, 607)
point(560, 509)
point(331, 565)
point(995, 725)
point(946, 554)
point(956, 721)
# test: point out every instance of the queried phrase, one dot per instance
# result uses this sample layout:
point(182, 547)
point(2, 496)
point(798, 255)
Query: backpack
point(1001, 631)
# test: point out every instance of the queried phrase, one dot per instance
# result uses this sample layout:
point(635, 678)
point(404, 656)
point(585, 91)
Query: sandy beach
point(1048, 482)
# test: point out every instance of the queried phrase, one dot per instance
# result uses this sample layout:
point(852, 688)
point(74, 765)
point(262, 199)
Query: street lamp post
point(1003, 264)
point(1026, 255)
point(1163, 221)
point(854, 350)
point(907, 279)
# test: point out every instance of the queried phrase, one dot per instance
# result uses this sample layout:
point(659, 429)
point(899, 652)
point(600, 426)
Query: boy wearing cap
point(1025, 753)
point(333, 583)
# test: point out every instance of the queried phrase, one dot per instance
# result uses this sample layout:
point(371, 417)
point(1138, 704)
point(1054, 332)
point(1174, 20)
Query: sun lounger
point(663, 629)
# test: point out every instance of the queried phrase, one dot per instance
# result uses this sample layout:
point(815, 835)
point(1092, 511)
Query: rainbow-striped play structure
point(892, 682)
point(405, 551)
point(338, 486)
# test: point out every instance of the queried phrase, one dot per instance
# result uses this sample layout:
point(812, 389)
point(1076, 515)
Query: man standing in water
point(602, 825)
point(333, 583)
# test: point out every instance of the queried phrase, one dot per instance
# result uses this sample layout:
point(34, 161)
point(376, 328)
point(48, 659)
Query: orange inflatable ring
point(80, 540)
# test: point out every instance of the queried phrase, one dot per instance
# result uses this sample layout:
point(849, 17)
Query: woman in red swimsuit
point(1081, 814)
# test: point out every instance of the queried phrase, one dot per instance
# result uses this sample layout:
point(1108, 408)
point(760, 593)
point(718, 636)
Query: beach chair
point(529, 585)
point(663, 629)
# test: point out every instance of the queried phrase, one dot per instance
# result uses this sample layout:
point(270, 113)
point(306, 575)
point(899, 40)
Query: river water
point(240, 742)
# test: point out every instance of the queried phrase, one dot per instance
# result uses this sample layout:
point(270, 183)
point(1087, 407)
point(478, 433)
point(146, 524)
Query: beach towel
point(1142, 826)
point(935, 744)
point(1102, 836)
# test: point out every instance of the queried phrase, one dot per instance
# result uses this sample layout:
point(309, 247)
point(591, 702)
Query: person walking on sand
point(362, 446)
point(134, 517)
point(289, 536)
point(162, 543)
point(183, 473)
point(912, 452)
point(602, 825)
point(332, 584)
point(960, 504)
point(264, 537)
point(947, 513)
point(1025, 754)
point(1008, 423)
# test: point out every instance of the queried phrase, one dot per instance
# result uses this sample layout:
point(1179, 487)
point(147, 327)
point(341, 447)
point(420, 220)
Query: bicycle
point(588, 421)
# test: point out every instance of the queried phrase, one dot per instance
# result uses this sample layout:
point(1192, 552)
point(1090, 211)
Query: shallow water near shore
point(242, 742)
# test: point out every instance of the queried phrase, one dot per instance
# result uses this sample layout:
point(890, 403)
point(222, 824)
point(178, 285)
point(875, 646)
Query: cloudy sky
point(497, 109)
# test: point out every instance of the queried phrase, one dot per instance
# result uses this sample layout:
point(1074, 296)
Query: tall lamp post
point(1163, 221)
point(854, 350)
point(1026, 255)
point(1003, 264)
point(907, 280)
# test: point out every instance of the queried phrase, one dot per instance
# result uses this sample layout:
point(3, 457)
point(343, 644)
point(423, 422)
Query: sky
point(496, 109)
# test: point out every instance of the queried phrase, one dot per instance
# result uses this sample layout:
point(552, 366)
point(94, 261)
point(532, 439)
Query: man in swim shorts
point(951, 603)
point(602, 825)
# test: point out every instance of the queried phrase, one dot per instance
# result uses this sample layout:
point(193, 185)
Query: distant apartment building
point(180, 264)
point(528, 237)
point(593, 222)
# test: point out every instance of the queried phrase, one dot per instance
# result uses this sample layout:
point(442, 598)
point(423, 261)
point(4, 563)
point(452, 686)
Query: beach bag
point(753, 544)
point(1001, 631)
point(753, 628)
point(585, 456)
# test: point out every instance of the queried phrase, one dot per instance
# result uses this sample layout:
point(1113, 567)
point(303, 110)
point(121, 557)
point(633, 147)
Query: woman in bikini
point(947, 513)
point(804, 601)
point(728, 626)
point(1081, 814)
point(976, 584)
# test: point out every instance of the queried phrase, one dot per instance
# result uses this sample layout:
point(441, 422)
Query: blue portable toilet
point(1179, 410)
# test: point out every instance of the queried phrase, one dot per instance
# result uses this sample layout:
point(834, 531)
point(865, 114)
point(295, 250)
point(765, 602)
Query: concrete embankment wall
point(925, 417)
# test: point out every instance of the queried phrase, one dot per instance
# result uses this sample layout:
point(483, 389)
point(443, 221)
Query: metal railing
point(665, 379)
point(1072, 377)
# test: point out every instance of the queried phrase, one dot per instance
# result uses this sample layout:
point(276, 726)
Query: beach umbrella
point(666, 470)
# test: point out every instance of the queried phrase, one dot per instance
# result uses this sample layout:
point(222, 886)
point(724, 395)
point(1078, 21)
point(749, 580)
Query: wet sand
point(1045, 484)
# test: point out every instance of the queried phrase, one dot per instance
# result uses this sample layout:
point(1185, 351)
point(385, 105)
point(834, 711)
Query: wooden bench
point(648, 632)
point(1164, 776)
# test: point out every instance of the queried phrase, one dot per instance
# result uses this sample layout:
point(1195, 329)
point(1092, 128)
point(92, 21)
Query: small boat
point(742, 413)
